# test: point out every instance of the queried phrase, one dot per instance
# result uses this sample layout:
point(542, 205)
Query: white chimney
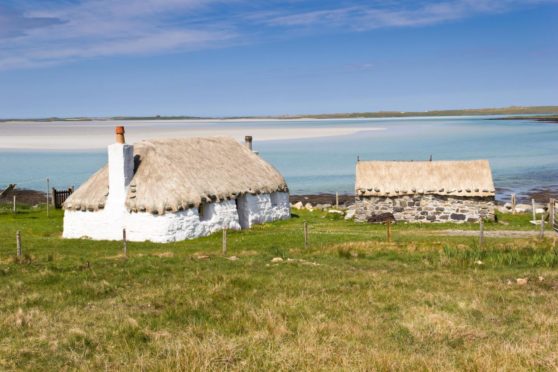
point(121, 168)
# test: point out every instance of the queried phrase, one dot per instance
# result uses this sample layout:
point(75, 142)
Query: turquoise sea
point(522, 153)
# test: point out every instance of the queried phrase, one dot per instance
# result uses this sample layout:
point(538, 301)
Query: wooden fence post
point(481, 233)
point(533, 208)
point(337, 200)
point(305, 235)
point(388, 227)
point(18, 243)
point(551, 212)
point(513, 203)
point(542, 227)
point(47, 196)
point(14, 207)
point(224, 242)
point(124, 243)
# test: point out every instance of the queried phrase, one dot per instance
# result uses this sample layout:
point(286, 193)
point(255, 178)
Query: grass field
point(351, 301)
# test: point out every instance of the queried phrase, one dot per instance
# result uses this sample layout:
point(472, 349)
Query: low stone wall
point(426, 208)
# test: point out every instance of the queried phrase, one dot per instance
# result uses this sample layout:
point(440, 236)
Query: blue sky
point(249, 57)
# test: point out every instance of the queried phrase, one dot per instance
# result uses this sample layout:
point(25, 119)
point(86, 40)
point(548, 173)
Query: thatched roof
point(175, 174)
point(455, 178)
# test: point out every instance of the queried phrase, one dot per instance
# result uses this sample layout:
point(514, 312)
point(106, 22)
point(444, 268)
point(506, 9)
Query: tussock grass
point(351, 301)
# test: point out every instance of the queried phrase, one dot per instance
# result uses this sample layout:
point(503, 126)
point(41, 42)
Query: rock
point(502, 209)
point(309, 207)
point(199, 256)
point(458, 217)
point(479, 262)
point(335, 211)
point(540, 210)
point(276, 260)
point(521, 281)
point(522, 208)
point(232, 258)
point(541, 278)
point(380, 218)
point(508, 206)
point(326, 206)
point(298, 205)
point(350, 214)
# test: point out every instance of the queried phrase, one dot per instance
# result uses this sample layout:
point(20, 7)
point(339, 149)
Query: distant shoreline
point(544, 119)
point(512, 110)
point(541, 195)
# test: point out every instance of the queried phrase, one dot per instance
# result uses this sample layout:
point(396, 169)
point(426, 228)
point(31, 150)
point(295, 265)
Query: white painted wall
point(255, 209)
point(107, 225)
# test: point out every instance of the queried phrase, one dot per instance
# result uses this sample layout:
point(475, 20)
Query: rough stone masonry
point(426, 208)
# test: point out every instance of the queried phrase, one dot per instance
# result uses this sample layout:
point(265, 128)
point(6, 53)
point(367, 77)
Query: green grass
point(350, 301)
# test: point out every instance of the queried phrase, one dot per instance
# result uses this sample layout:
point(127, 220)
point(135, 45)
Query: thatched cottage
point(425, 191)
point(174, 189)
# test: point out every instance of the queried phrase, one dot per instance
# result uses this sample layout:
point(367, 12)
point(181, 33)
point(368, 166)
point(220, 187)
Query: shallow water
point(522, 153)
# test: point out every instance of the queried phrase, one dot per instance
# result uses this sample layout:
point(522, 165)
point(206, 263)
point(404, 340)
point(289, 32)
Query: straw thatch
point(176, 174)
point(393, 178)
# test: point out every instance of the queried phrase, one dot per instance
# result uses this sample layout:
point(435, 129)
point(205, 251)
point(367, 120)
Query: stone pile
point(347, 212)
point(521, 208)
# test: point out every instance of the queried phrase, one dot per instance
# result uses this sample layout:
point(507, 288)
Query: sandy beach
point(92, 135)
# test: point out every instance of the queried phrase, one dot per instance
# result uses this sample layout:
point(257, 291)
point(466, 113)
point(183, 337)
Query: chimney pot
point(248, 142)
point(120, 135)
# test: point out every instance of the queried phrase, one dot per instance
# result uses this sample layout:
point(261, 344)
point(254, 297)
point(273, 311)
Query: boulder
point(503, 209)
point(309, 207)
point(298, 205)
point(350, 214)
point(335, 211)
point(381, 218)
point(522, 208)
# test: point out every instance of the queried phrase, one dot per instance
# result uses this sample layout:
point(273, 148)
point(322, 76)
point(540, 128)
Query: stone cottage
point(165, 190)
point(425, 191)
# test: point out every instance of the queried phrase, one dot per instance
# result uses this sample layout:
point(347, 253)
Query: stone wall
point(426, 208)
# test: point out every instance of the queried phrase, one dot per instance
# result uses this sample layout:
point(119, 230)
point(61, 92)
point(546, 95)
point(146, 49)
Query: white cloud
point(46, 32)
point(396, 13)
point(103, 28)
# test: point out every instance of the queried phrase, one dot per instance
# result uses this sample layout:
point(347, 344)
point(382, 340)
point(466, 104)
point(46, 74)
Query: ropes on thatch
point(176, 174)
point(451, 178)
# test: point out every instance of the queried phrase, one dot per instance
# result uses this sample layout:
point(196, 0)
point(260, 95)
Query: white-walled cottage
point(167, 190)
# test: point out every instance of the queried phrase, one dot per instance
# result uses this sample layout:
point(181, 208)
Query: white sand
point(91, 135)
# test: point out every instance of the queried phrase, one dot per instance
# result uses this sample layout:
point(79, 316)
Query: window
point(274, 199)
point(202, 211)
